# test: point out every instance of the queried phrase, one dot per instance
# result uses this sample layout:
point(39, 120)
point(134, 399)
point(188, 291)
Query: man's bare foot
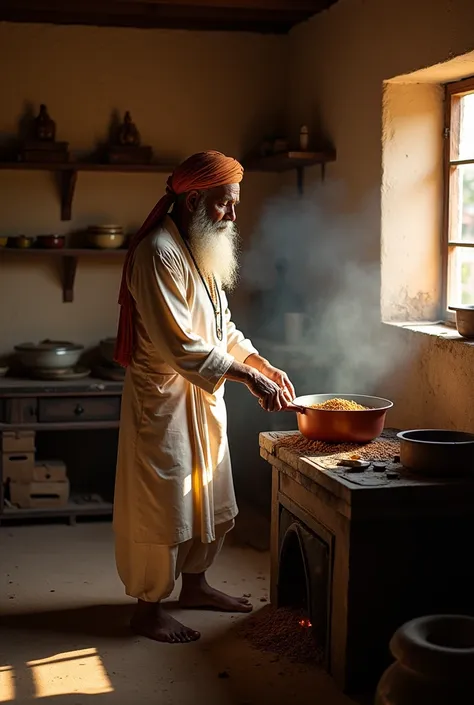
point(196, 593)
point(152, 621)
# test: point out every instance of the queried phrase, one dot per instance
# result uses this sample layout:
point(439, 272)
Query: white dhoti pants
point(149, 571)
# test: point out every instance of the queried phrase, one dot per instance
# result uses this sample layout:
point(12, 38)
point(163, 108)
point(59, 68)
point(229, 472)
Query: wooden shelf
point(71, 510)
point(69, 258)
point(62, 425)
point(87, 166)
point(68, 172)
point(63, 252)
point(86, 386)
point(286, 161)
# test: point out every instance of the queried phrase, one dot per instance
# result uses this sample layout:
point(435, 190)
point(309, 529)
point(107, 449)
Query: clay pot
point(464, 320)
point(51, 242)
point(434, 663)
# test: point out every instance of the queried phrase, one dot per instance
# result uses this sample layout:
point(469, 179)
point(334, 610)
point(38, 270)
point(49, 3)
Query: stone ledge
point(437, 329)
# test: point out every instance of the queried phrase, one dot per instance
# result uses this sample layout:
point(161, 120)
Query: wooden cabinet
point(82, 409)
point(50, 410)
point(23, 410)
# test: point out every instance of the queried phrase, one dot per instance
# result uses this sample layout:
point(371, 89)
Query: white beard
point(215, 247)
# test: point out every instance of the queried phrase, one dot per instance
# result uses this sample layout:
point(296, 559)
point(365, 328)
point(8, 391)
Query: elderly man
point(174, 498)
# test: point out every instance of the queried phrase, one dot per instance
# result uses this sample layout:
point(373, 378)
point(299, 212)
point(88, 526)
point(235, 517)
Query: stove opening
point(303, 577)
point(293, 587)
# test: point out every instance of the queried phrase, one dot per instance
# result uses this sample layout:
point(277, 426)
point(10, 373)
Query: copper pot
point(341, 426)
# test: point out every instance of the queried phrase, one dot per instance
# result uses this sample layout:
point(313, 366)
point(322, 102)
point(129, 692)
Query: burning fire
point(305, 623)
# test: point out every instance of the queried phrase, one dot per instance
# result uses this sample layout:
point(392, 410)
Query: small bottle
point(304, 138)
point(45, 128)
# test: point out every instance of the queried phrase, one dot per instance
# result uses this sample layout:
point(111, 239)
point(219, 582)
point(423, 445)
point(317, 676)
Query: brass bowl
point(106, 241)
point(3, 241)
point(22, 242)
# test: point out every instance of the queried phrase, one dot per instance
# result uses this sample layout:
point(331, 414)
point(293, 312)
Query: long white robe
point(174, 477)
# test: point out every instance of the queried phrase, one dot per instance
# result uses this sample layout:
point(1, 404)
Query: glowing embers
point(305, 623)
point(284, 631)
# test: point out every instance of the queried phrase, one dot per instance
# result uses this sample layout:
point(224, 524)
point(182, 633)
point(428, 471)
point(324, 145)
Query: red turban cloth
point(202, 171)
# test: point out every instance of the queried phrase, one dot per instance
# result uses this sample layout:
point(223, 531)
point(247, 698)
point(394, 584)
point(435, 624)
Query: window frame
point(454, 91)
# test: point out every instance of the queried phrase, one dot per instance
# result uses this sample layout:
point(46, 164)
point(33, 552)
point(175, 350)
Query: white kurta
point(174, 478)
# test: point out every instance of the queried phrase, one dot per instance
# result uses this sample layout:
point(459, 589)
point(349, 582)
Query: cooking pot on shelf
point(49, 354)
point(341, 426)
point(464, 320)
point(437, 453)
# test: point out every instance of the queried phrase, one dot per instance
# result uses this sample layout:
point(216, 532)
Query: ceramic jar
point(434, 663)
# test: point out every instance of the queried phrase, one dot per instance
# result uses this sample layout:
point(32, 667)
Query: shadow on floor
point(222, 665)
point(104, 621)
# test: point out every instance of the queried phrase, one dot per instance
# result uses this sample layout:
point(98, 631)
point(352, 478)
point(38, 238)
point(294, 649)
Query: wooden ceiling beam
point(232, 15)
point(305, 6)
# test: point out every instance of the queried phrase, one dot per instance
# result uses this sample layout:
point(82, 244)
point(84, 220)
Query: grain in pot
point(338, 405)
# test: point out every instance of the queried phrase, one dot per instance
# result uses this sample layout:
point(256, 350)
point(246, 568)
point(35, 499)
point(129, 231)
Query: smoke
point(308, 256)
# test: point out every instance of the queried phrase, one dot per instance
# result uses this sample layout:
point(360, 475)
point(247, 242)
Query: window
point(459, 195)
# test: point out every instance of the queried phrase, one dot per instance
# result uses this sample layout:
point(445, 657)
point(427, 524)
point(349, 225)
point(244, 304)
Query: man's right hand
point(270, 395)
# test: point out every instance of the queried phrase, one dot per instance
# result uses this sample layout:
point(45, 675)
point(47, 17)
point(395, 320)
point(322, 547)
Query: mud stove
point(364, 552)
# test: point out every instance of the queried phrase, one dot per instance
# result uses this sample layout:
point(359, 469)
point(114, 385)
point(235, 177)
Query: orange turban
point(204, 170)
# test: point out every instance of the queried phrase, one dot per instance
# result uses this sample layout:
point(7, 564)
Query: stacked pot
point(108, 368)
point(49, 359)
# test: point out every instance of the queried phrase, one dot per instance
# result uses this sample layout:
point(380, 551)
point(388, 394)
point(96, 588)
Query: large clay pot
point(434, 663)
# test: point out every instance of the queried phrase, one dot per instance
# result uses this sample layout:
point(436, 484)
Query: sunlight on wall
point(72, 672)
point(7, 685)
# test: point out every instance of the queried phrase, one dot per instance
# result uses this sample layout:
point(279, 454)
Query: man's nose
point(230, 214)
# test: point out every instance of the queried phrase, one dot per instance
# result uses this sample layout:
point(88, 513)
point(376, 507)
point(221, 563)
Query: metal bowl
point(49, 354)
point(436, 452)
point(464, 320)
point(342, 426)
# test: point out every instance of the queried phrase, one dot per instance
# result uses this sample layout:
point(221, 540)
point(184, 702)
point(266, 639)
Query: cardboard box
point(17, 441)
point(49, 471)
point(39, 495)
point(18, 467)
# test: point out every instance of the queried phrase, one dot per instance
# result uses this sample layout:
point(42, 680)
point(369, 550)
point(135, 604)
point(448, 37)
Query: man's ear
point(192, 201)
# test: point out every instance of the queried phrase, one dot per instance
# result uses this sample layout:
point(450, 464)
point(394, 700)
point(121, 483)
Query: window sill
point(437, 329)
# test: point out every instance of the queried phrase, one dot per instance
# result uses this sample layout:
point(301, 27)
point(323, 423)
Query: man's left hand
point(282, 379)
point(278, 376)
